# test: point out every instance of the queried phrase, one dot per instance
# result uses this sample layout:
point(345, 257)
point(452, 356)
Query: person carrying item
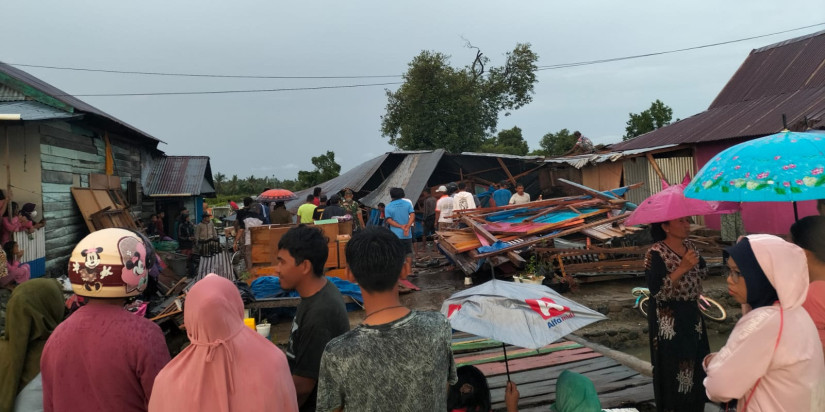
point(772, 360)
point(32, 313)
point(407, 349)
point(321, 315)
point(103, 358)
point(247, 218)
point(227, 367)
point(472, 394)
point(678, 337)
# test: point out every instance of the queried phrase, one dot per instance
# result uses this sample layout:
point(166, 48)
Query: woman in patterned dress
point(678, 338)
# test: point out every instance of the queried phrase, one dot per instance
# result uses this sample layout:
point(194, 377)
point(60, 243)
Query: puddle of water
point(715, 340)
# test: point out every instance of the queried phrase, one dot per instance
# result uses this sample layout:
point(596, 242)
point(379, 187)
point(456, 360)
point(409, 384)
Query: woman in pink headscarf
point(228, 367)
point(773, 359)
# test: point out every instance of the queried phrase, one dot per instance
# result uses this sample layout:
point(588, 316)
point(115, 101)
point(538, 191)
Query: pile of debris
point(501, 234)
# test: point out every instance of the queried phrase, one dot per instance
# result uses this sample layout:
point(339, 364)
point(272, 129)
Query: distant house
point(783, 79)
point(60, 143)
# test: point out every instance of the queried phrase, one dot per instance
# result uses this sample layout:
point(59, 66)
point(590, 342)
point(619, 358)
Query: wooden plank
point(512, 354)
point(554, 235)
point(655, 166)
point(538, 362)
point(507, 171)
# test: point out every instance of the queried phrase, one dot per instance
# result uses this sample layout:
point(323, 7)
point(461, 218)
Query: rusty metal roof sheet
point(67, 99)
point(180, 176)
point(783, 78)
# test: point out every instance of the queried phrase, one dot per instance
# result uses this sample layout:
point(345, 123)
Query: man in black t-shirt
point(321, 315)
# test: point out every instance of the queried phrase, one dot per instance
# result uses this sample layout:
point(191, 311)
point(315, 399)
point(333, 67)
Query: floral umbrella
point(783, 167)
point(276, 195)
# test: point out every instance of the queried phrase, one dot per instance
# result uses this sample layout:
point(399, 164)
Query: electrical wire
point(638, 56)
point(539, 68)
point(548, 67)
point(284, 89)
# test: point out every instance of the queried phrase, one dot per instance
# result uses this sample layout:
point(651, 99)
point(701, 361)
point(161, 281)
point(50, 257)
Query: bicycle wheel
point(643, 305)
point(713, 310)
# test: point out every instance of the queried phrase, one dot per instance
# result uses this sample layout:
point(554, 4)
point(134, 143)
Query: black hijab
point(760, 291)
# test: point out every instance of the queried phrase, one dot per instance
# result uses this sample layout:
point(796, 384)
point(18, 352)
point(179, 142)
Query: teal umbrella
point(782, 167)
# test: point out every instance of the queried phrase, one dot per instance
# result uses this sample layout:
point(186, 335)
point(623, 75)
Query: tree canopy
point(235, 188)
point(556, 144)
point(508, 141)
point(456, 109)
point(656, 116)
point(325, 169)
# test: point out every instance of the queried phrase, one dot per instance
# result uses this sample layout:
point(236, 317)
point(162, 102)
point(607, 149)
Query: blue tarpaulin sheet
point(270, 287)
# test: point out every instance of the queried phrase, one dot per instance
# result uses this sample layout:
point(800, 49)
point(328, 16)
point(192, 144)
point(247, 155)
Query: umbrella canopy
point(526, 315)
point(671, 203)
point(276, 195)
point(782, 167)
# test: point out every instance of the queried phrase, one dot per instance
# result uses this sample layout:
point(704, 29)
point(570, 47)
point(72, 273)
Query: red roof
point(783, 78)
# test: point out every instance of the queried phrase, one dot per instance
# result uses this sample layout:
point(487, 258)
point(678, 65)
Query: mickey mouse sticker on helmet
point(109, 263)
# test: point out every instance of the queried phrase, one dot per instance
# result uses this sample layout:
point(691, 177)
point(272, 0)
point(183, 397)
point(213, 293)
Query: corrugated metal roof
point(31, 110)
point(180, 176)
point(580, 161)
point(65, 98)
point(784, 78)
point(354, 179)
point(411, 175)
point(503, 156)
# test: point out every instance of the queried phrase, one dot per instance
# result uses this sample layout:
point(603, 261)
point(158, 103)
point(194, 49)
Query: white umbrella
point(525, 315)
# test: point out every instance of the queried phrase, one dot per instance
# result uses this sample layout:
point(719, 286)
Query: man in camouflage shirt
point(397, 358)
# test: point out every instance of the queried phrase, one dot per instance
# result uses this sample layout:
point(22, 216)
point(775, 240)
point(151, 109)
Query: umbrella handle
point(506, 365)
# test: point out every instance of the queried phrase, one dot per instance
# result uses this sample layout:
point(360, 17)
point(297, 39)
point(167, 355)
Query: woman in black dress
point(678, 338)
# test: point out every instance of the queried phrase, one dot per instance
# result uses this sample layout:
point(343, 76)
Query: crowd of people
point(16, 219)
point(104, 358)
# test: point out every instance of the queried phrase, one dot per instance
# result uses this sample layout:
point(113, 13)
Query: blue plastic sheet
point(270, 287)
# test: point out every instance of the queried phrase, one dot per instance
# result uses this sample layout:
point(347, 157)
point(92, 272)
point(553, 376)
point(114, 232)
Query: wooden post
point(8, 174)
point(507, 171)
point(655, 166)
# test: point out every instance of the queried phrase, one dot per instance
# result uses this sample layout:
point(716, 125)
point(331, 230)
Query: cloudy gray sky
point(277, 133)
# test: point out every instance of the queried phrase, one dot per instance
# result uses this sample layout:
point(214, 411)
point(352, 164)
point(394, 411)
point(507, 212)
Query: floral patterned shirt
point(660, 261)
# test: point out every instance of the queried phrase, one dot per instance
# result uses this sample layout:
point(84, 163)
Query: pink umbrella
point(671, 203)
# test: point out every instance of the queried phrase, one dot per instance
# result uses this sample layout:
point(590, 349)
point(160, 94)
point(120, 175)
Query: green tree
point(439, 106)
point(556, 144)
point(219, 179)
point(325, 169)
point(658, 115)
point(509, 141)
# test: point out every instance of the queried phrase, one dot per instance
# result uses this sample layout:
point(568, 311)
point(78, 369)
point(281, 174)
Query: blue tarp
point(270, 287)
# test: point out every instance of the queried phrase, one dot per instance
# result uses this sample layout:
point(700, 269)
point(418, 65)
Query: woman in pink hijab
point(773, 359)
point(228, 367)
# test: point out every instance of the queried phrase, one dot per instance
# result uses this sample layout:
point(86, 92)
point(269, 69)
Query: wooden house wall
point(69, 153)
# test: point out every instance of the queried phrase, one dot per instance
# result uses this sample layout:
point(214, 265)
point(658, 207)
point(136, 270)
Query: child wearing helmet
point(103, 358)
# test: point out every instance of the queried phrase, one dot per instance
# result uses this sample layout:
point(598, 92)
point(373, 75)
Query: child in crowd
point(17, 272)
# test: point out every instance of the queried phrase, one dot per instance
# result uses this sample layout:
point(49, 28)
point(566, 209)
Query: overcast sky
point(276, 133)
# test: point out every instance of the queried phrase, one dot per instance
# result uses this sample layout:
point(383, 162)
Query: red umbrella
point(276, 195)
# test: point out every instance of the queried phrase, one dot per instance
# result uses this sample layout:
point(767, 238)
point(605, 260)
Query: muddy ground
point(625, 329)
